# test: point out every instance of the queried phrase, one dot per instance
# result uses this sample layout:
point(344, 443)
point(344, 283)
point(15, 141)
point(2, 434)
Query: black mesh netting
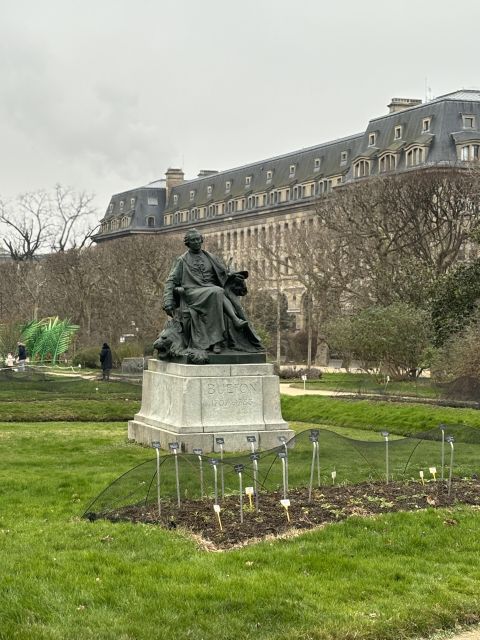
point(302, 462)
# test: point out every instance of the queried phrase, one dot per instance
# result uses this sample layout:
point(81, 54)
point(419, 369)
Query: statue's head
point(193, 239)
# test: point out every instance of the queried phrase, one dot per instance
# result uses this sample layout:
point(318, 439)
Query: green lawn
point(364, 383)
point(396, 576)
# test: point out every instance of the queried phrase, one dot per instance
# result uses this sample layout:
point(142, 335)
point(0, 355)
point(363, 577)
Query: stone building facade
point(236, 207)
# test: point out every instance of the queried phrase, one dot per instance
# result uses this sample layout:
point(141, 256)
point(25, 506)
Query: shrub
point(89, 357)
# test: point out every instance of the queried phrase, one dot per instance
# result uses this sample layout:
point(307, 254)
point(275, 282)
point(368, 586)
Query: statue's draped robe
point(202, 276)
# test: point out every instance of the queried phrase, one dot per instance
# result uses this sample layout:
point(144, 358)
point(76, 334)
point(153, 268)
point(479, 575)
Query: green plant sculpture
point(48, 338)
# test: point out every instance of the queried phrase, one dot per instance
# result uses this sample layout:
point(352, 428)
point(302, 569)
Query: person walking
point(21, 356)
point(106, 361)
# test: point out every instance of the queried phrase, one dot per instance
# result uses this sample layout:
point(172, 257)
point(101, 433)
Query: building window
point(291, 173)
point(152, 201)
point(228, 186)
point(175, 199)
point(470, 152)
point(132, 202)
point(426, 125)
point(122, 203)
point(248, 181)
point(372, 137)
point(110, 207)
point(343, 157)
point(316, 164)
point(150, 221)
point(468, 122)
point(361, 169)
point(269, 176)
point(192, 195)
point(388, 162)
point(209, 190)
point(398, 133)
point(415, 156)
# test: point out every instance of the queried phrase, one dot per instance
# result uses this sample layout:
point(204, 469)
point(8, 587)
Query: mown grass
point(364, 383)
point(396, 576)
point(399, 418)
point(391, 577)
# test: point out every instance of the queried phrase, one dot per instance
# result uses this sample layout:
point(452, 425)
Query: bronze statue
point(202, 299)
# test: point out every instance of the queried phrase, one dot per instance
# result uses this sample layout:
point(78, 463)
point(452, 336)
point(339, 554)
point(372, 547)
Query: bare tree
point(37, 222)
point(28, 226)
point(75, 218)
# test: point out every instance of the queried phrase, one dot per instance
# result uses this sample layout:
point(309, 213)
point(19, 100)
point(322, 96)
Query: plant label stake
point(285, 504)
point(283, 440)
point(334, 475)
point(421, 477)
point(449, 439)
point(282, 456)
point(214, 464)
point(199, 452)
point(221, 442)
point(254, 457)
point(249, 492)
point(385, 434)
point(304, 378)
point(252, 440)
point(174, 449)
point(239, 468)
point(314, 440)
point(442, 427)
point(216, 508)
point(156, 446)
point(433, 471)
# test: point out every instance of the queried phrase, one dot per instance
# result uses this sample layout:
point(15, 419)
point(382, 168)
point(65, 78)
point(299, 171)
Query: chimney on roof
point(207, 172)
point(174, 177)
point(399, 104)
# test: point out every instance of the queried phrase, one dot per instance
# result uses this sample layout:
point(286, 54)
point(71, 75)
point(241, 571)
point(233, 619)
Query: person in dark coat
point(21, 356)
point(106, 361)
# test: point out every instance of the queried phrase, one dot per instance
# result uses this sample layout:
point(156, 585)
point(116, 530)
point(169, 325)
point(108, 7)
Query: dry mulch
point(328, 504)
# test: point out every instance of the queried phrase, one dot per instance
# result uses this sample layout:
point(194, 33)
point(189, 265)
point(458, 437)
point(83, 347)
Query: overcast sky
point(105, 95)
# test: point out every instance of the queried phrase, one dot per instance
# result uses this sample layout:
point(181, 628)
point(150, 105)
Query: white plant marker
point(285, 504)
point(174, 449)
point(421, 476)
point(221, 442)
point(334, 475)
point(156, 446)
point(199, 453)
point(249, 491)
point(433, 471)
point(216, 508)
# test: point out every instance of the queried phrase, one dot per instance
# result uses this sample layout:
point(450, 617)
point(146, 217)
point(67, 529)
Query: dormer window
point(132, 202)
point(426, 125)
point(122, 203)
point(397, 133)
point(343, 157)
point(316, 164)
point(175, 199)
point(228, 186)
point(269, 176)
point(192, 195)
point(291, 173)
point(110, 207)
point(248, 181)
point(209, 190)
point(468, 122)
point(372, 138)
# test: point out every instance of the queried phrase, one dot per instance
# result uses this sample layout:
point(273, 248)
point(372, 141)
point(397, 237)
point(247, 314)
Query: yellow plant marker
point(216, 508)
point(421, 477)
point(249, 492)
point(433, 471)
point(285, 504)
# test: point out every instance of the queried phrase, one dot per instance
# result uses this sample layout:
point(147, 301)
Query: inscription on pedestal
point(224, 398)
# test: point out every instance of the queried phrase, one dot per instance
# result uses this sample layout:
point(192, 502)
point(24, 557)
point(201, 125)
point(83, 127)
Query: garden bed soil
point(328, 504)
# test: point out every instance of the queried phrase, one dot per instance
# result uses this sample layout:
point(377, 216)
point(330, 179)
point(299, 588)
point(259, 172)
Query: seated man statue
point(202, 295)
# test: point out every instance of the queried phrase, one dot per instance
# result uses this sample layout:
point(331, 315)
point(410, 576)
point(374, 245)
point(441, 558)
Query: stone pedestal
point(194, 404)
